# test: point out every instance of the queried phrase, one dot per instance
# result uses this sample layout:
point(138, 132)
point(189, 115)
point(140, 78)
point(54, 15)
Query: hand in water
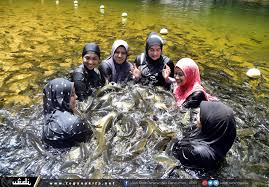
point(135, 72)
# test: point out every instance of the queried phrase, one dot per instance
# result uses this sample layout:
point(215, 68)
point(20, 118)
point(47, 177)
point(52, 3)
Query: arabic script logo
point(6, 182)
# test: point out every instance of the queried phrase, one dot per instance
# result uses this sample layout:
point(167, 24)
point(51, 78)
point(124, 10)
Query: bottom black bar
point(38, 182)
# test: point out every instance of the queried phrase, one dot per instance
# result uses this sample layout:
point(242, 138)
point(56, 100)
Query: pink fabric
point(193, 81)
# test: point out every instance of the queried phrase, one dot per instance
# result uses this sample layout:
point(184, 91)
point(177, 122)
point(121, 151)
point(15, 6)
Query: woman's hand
point(166, 73)
point(135, 72)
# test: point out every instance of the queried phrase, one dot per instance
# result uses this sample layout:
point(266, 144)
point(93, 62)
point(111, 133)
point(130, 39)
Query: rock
point(253, 73)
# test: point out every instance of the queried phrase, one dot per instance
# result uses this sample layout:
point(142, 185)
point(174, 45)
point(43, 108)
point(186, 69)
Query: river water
point(41, 40)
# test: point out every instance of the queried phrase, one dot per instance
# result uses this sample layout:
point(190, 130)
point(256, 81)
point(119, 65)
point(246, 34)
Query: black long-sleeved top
point(205, 147)
point(85, 80)
point(62, 128)
point(194, 100)
point(151, 71)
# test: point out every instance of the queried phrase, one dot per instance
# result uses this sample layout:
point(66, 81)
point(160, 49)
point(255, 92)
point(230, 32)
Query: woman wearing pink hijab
point(188, 91)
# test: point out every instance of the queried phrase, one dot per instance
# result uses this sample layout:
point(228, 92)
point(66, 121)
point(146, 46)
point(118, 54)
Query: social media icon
point(204, 183)
point(125, 183)
point(216, 182)
point(210, 182)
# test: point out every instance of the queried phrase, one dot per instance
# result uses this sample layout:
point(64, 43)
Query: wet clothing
point(151, 70)
point(62, 128)
point(114, 72)
point(194, 100)
point(91, 47)
point(205, 147)
point(86, 80)
point(192, 83)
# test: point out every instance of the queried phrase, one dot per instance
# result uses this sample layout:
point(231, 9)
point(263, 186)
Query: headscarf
point(57, 95)
point(119, 71)
point(192, 81)
point(203, 148)
point(117, 44)
point(62, 128)
point(91, 47)
point(153, 39)
point(218, 126)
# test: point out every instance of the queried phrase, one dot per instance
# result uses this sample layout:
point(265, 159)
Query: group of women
point(202, 147)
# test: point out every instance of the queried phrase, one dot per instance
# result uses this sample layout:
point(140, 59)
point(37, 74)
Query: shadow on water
point(41, 41)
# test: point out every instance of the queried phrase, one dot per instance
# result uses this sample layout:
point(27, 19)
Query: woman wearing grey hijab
point(62, 127)
point(116, 67)
point(208, 144)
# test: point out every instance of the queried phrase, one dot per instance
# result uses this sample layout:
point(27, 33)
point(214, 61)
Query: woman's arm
point(194, 100)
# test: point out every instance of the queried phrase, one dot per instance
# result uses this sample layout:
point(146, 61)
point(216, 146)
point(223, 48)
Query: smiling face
point(91, 60)
point(120, 55)
point(154, 52)
point(179, 76)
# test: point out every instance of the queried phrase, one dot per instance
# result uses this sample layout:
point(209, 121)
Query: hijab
point(62, 128)
point(192, 81)
point(153, 39)
point(205, 146)
point(91, 47)
point(57, 95)
point(119, 71)
point(218, 126)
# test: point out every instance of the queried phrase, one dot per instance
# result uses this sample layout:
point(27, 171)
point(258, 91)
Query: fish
point(247, 132)
point(108, 88)
point(102, 126)
point(123, 105)
point(159, 131)
point(85, 106)
point(74, 154)
point(162, 144)
point(135, 150)
point(125, 126)
point(160, 106)
point(168, 163)
point(67, 164)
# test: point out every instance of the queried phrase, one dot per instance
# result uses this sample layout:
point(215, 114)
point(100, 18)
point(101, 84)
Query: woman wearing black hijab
point(62, 128)
point(151, 63)
point(87, 76)
point(208, 144)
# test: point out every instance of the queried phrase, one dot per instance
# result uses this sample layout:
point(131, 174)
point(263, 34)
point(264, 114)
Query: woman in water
point(208, 144)
point(87, 76)
point(149, 66)
point(62, 127)
point(116, 67)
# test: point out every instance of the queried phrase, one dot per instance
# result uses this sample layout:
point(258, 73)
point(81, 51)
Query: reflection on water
point(41, 40)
